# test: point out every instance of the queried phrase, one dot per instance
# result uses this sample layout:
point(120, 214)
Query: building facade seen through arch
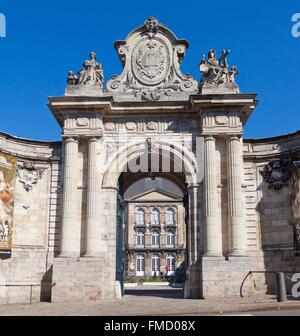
point(163, 232)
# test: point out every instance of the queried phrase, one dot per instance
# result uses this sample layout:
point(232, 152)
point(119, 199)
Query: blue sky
point(45, 39)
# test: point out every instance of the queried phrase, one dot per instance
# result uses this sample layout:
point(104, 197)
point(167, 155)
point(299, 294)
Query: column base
point(92, 255)
point(213, 254)
point(238, 254)
point(68, 255)
point(222, 277)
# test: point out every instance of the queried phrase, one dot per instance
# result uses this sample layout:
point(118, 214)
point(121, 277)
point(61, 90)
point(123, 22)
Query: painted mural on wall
point(7, 182)
point(296, 204)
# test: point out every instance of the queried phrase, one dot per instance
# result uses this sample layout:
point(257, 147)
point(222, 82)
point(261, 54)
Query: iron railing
point(30, 286)
point(280, 290)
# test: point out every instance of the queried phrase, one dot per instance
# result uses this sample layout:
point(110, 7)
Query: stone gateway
point(66, 199)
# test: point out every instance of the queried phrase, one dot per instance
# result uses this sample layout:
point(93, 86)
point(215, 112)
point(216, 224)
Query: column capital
point(234, 137)
point(67, 139)
point(209, 138)
point(94, 138)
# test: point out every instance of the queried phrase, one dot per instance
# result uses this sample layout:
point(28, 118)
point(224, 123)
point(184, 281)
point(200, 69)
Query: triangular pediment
point(155, 195)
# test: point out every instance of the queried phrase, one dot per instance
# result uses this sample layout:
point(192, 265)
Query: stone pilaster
point(235, 196)
point(93, 229)
point(70, 234)
point(213, 223)
point(193, 223)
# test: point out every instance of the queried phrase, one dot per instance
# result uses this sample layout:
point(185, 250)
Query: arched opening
point(155, 239)
point(159, 234)
point(140, 239)
point(171, 261)
point(141, 216)
point(170, 217)
point(170, 239)
point(155, 217)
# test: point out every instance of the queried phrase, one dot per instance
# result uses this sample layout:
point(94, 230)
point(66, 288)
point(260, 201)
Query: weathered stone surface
point(147, 113)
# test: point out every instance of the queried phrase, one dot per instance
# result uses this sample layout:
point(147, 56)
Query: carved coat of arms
point(277, 174)
point(29, 174)
point(150, 61)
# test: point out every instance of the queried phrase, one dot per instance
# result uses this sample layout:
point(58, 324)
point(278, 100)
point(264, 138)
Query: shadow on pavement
point(172, 293)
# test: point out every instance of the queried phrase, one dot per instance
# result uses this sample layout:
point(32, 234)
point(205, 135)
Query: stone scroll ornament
point(277, 174)
point(29, 174)
point(216, 75)
point(88, 81)
point(151, 57)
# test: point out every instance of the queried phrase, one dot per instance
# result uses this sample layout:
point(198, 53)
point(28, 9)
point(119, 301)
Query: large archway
point(164, 161)
point(151, 124)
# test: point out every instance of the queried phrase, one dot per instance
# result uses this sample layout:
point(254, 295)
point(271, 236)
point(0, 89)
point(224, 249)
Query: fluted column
point(93, 227)
point(235, 196)
point(70, 233)
point(213, 223)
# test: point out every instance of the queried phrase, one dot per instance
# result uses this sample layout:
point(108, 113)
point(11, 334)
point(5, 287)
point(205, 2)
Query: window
point(140, 265)
point(170, 216)
point(171, 264)
point(155, 217)
point(140, 239)
point(140, 216)
point(155, 265)
point(155, 239)
point(170, 239)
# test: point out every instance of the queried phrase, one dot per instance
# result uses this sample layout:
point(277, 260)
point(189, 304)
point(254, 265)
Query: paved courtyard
point(150, 301)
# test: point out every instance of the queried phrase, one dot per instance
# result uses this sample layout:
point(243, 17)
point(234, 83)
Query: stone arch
point(125, 154)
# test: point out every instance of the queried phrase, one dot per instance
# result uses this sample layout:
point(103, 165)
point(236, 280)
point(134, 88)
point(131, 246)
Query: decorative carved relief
point(130, 126)
point(111, 148)
point(161, 125)
point(152, 126)
point(29, 174)
point(277, 174)
point(151, 57)
point(221, 120)
point(82, 122)
point(110, 126)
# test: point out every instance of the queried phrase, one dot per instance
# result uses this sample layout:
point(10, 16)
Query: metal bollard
point(281, 289)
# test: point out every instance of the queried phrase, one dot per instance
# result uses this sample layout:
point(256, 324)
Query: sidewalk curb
point(267, 307)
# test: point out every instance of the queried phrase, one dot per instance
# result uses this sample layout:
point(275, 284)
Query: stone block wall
point(71, 275)
point(26, 272)
point(269, 216)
